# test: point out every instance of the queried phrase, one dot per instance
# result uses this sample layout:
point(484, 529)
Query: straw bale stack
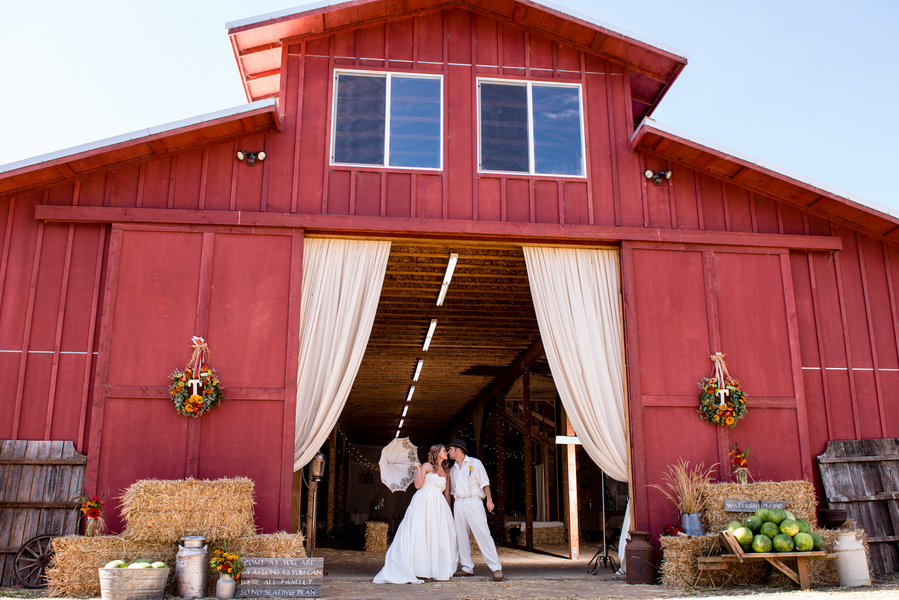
point(165, 511)
point(679, 564)
point(375, 536)
point(76, 559)
point(800, 495)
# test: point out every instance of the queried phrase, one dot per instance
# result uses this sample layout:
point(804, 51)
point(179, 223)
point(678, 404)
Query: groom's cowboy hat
point(459, 444)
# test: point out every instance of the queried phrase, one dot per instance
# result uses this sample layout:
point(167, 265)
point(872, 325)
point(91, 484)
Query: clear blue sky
point(808, 86)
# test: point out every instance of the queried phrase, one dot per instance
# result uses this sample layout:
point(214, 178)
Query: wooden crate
point(862, 477)
point(40, 478)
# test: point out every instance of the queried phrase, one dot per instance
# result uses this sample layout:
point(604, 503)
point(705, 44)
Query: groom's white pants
point(470, 515)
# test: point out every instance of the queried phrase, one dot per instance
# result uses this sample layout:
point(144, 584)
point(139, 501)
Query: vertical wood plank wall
point(841, 360)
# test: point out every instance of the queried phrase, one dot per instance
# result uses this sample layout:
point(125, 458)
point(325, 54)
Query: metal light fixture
point(450, 267)
point(418, 369)
point(657, 176)
point(251, 157)
point(405, 408)
point(430, 334)
point(411, 391)
point(318, 466)
point(316, 472)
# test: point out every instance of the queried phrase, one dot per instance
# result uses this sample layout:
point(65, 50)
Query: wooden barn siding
point(52, 277)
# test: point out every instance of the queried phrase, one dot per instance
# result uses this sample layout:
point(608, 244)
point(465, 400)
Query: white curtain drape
point(575, 294)
point(576, 298)
point(341, 286)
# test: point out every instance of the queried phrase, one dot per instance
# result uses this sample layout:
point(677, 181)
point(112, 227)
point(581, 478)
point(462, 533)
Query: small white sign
point(568, 439)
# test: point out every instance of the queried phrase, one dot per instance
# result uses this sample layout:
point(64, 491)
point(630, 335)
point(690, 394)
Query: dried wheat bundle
point(165, 511)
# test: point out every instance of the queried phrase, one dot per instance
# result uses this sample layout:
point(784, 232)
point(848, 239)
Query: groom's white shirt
point(469, 478)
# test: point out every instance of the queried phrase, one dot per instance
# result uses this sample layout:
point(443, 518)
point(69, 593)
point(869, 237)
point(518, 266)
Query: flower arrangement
point(717, 412)
point(192, 404)
point(739, 462)
point(671, 530)
point(721, 398)
point(685, 485)
point(227, 563)
point(91, 508)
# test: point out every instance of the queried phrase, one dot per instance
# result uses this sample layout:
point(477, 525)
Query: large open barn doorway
point(483, 377)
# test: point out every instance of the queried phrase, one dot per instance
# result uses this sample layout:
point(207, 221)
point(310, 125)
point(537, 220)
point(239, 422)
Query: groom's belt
point(467, 497)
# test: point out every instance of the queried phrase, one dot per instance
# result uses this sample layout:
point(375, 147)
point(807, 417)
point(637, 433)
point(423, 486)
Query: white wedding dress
point(425, 542)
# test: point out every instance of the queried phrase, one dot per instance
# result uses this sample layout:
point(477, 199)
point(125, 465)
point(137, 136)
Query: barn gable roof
point(257, 41)
point(139, 146)
point(766, 179)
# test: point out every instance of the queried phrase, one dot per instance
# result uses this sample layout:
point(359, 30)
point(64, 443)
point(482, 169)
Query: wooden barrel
point(133, 584)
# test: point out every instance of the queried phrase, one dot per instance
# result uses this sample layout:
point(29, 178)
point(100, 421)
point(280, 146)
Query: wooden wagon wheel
point(31, 560)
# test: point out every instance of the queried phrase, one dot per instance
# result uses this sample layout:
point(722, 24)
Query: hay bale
point(800, 495)
point(76, 559)
point(375, 536)
point(679, 565)
point(165, 511)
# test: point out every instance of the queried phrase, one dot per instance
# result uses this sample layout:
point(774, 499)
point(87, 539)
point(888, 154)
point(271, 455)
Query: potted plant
point(685, 487)
point(229, 566)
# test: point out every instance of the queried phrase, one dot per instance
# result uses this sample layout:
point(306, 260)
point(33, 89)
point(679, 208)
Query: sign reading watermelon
point(751, 505)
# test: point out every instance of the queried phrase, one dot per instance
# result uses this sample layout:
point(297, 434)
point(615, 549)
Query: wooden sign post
point(281, 578)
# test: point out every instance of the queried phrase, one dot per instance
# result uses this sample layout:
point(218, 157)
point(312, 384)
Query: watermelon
point(144, 560)
point(804, 526)
point(743, 536)
point(139, 565)
point(790, 515)
point(770, 529)
point(159, 565)
point(803, 542)
point(733, 526)
point(753, 523)
point(116, 564)
point(782, 543)
point(789, 527)
point(777, 515)
point(761, 543)
point(764, 514)
point(818, 541)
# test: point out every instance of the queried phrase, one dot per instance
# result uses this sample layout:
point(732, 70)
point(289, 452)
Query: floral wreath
point(713, 408)
point(196, 389)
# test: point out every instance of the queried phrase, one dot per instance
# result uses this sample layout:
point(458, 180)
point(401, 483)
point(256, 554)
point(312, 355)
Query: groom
point(470, 485)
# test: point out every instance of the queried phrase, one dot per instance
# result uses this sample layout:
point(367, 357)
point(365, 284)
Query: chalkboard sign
point(751, 505)
point(281, 578)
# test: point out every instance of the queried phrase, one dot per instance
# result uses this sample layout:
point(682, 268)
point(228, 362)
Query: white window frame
point(530, 109)
point(388, 75)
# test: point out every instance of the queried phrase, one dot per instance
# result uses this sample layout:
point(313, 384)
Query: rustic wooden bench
point(798, 572)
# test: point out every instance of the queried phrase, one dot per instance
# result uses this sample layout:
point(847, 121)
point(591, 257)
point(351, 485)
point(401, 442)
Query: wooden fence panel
point(862, 477)
point(38, 480)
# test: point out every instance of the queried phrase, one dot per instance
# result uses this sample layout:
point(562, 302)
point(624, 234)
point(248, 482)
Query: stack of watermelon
point(775, 530)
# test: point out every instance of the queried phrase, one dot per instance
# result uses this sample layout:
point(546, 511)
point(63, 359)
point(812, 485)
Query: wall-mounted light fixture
point(430, 334)
point(251, 157)
point(450, 267)
point(657, 176)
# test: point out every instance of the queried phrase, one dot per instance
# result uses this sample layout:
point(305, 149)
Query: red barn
point(476, 129)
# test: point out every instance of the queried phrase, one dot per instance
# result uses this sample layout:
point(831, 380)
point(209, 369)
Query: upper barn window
point(387, 120)
point(533, 128)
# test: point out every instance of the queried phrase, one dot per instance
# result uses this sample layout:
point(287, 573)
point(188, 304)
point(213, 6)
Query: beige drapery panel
point(575, 293)
point(341, 286)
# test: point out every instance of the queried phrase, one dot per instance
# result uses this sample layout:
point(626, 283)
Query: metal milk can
point(192, 567)
point(852, 562)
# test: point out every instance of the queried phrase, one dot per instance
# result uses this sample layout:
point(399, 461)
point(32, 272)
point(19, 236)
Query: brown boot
point(463, 573)
point(497, 576)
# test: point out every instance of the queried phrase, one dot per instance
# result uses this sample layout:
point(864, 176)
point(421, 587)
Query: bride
point(425, 542)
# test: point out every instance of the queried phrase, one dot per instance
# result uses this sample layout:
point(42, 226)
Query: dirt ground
point(546, 575)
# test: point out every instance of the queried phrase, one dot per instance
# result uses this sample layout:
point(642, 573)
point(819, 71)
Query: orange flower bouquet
point(227, 563)
point(91, 508)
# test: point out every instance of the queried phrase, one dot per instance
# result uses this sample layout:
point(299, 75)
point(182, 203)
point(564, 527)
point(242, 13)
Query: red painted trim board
point(100, 379)
point(869, 317)
point(290, 381)
point(816, 307)
point(57, 341)
point(91, 332)
point(26, 337)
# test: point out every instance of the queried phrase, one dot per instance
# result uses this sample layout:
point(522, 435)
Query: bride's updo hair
point(433, 457)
